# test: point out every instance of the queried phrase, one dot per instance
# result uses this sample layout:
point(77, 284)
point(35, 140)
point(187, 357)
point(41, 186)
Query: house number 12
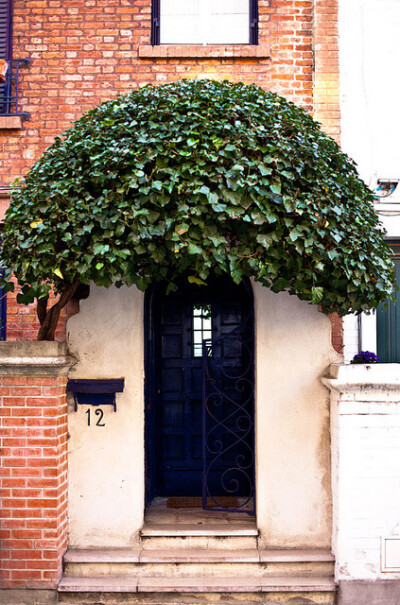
point(98, 413)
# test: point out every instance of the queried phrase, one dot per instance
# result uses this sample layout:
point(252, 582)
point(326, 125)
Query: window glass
point(204, 21)
point(201, 328)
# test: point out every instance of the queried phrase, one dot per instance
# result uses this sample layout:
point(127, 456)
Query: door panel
point(177, 425)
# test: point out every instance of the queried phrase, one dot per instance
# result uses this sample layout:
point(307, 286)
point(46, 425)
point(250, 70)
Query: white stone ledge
point(365, 382)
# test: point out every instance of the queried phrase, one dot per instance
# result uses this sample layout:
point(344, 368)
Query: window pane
point(180, 22)
point(204, 22)
point(207, 323)
point(230, 7)
point(197, 323)
point(229, 22)
point(228, 29)
point(201, 328)
point(197, 337)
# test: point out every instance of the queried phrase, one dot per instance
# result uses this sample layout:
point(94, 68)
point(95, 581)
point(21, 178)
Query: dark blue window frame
point(155, 22)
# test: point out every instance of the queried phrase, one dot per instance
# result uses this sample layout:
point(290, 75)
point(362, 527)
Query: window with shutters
point(9, 67)
point(5, 51)
point(205, 22)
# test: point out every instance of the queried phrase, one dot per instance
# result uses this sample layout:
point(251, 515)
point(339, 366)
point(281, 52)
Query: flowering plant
point(365, 357)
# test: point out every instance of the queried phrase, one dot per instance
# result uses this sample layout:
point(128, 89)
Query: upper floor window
point(9, 67)
point(205, 22)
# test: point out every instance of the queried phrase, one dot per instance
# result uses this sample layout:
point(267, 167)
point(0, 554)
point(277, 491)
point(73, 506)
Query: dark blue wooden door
point(180, 322)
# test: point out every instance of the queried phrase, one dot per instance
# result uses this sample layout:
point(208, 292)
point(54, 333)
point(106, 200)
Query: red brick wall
point(326, 96)
point(33, 418)
point(326, 76)
point(85, 52)
point(23, 324)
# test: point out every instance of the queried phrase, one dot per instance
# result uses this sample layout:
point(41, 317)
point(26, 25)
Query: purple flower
point(365, 357)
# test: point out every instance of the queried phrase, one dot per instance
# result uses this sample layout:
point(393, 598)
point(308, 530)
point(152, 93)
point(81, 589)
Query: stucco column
point(365, 427)
point(33, 419)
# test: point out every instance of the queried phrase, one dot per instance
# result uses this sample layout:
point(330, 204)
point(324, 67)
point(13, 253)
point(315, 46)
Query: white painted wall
point(370, 91)
point(351, 344)
point(370, 86)
point(366, 469)
point(106, 464)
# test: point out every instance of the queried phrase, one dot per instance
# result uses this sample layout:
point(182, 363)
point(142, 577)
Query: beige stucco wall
point(293, 351)
point(106, 464)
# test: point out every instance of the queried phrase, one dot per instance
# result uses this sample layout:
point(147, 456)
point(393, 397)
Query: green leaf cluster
point(193, 177)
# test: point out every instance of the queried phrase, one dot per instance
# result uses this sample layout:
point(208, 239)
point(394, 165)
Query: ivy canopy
point(193, 177)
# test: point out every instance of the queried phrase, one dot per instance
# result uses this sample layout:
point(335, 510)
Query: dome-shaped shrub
point(193, 177)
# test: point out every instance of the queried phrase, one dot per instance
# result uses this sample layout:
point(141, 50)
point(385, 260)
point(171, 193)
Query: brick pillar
point(326, 67)
point(33, 445)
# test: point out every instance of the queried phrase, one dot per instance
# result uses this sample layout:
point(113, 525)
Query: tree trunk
point(48, 318)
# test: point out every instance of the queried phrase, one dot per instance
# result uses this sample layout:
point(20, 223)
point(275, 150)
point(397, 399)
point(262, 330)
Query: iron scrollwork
point(228, 421)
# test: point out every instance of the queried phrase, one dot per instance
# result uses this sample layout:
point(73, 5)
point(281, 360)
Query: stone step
point(193, 562)
point(295, 586)
point(239, 536)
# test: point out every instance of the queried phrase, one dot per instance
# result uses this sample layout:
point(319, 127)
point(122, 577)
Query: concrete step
point(200, 590)
point(196, 562)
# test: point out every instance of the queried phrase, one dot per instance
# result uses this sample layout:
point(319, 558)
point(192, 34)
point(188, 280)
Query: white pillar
point(365, 428)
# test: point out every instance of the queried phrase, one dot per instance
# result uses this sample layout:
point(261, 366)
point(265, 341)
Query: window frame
point(156, 15)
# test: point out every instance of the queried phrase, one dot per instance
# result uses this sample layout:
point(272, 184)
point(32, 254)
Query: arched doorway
point(200, 393)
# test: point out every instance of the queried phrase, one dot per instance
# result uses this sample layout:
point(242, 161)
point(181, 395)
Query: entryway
point(200, 395)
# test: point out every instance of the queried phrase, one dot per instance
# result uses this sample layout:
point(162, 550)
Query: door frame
point(152, 295)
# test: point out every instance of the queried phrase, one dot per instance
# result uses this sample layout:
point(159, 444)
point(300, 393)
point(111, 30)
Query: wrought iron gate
point(228, 421)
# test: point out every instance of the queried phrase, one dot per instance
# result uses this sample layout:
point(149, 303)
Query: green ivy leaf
point(317, 294)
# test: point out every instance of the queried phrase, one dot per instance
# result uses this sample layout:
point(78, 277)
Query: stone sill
point(10, 123)
point(367, 382)
point(4, 203)
point(194, 51)
point(34, 358)
point(366, 372)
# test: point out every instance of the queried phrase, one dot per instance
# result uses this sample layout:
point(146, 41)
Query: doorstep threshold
point(186, 529)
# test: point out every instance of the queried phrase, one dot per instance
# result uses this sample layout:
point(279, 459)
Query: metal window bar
point(253, 21)
point(10, 105)
point(155, 22)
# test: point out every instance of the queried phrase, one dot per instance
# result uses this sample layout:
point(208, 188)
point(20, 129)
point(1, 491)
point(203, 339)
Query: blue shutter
point(6, 30)
point(5, 50)
point(3, 314)
point(388, 321)
point(3, 305)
